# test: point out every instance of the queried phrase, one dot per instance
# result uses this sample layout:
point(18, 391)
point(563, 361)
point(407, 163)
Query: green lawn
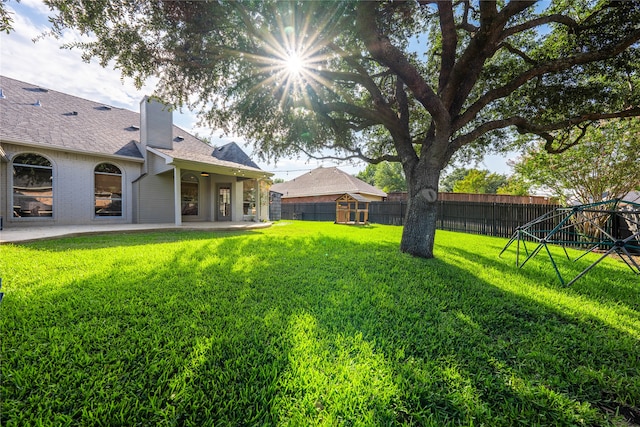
point(309, 323)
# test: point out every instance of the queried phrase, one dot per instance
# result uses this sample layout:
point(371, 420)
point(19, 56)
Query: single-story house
point(65, 160)
point(325, 185)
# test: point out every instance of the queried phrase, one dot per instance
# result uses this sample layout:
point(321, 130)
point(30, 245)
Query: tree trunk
point(421, 218)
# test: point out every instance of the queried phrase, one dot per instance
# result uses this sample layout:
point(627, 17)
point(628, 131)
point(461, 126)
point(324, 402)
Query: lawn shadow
point(318, 330)
point(607, 282)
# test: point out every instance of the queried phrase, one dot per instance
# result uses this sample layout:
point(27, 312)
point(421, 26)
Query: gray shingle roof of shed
point(325, 181)
point(67, 122)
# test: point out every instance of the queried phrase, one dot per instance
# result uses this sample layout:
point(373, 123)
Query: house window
point(249, 190)
point(108, 190)
point(32, 186)
point(189, 187)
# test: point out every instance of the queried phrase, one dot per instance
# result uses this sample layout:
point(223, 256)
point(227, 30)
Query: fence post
point(493, 219)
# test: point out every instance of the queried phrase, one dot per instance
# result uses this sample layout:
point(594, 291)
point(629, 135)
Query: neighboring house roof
point(323, 181)
point(233, 153)
point(66, 122)
point(356, 197)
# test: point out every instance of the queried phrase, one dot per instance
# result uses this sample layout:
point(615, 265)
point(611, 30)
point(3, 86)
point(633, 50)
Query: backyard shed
point(352, 209)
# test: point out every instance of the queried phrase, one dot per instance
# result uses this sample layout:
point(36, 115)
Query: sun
point(291, 57)
point(294, 64)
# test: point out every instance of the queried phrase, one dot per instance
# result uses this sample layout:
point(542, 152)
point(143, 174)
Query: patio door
point(224, 202)
point(190, 191)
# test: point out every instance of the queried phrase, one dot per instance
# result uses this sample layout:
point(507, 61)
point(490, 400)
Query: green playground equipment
point(591, 226)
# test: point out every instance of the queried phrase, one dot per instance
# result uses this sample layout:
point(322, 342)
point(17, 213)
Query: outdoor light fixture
point(204, 173)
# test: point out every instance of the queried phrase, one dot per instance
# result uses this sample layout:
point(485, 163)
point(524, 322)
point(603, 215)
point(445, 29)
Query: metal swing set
point(595, 221)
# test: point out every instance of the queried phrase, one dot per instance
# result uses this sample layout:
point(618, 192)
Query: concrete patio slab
point(29, 234)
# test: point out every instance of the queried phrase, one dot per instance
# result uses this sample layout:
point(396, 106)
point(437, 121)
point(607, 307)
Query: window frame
point(50, 167)
point(95, 192)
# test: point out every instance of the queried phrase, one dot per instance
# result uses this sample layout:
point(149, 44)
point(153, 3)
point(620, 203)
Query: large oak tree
point(413, 82)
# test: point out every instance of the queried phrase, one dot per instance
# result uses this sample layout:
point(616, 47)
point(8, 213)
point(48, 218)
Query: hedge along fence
point(490, 219)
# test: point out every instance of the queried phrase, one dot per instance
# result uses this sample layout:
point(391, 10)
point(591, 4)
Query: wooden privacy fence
point(491, 219)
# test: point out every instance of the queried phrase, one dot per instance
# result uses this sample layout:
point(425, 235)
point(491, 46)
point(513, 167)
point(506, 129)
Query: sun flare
point(294, 64)
point(292, 58)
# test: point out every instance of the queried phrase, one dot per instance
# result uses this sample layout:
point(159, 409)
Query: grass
point(310, 323)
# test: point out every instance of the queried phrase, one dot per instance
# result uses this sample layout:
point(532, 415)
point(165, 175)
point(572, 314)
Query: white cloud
point(45, 64)
point(37, 5)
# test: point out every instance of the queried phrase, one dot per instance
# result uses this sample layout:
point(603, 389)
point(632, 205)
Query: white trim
point(168, 159)
point(72, 150)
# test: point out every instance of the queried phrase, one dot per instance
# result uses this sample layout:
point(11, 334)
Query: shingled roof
point(325, 181)
point(36, 116)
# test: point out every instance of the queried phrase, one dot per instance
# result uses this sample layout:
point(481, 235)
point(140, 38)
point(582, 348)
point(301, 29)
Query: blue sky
point(43, 63)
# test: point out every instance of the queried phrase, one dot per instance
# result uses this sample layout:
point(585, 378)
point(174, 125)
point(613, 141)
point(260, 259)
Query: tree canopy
point(387, 176)
point(412, 82)
point(480, 182)
point(606, 165)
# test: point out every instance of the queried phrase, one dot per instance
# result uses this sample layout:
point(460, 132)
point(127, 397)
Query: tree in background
point(409, 82)
point(463, 180)
point(390, 177)
point(368, 174)
point(515, 186)
point(606, 165)
point(386, 176)
point(480, 182)
point(449, 180)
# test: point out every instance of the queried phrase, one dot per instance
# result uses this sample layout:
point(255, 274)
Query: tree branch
point(449, 41)
point(357, 154)
point(543, 130)
point(482, 46)
point(465, 25)
point(385, 53)
point(543, 20)
point(555, 66)
point(517, 52)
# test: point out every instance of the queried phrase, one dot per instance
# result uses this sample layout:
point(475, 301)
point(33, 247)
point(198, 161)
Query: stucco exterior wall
point(154, 198)
point(73, 188)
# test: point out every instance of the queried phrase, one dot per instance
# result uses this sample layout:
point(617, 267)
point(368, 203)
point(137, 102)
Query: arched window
point(108, 190)
point(32, 186)
point(189, 187)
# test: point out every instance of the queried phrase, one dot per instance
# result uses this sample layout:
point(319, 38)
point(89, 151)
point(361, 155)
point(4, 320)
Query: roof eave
point(72, 150)
point(235, 169)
